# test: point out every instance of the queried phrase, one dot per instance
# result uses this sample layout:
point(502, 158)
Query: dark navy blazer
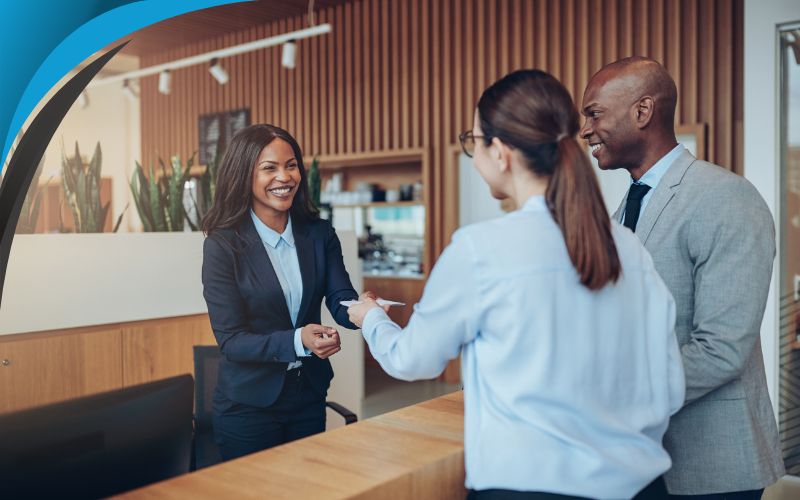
point(248, 309)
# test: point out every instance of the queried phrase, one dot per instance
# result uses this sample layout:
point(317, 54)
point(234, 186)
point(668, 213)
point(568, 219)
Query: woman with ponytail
point(570, 365)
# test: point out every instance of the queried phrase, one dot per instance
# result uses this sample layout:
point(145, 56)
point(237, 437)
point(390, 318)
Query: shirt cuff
point(373, 317)
point(299, 348)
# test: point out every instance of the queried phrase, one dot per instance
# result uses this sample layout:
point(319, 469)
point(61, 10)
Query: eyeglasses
point(467, 140)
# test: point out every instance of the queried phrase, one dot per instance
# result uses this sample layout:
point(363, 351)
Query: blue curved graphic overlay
point(45, 39)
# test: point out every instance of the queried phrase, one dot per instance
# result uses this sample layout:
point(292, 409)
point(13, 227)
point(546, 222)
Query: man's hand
point(323, 341)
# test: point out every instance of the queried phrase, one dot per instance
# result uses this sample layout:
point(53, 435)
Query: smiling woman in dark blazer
point(268, 260)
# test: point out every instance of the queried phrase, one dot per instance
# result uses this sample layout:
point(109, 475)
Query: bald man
point(712, 240)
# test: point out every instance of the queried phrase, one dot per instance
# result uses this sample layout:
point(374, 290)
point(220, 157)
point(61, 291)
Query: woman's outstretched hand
point(358, 311)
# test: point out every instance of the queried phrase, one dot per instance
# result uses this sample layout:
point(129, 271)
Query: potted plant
point(80, 183)
point(159, 201)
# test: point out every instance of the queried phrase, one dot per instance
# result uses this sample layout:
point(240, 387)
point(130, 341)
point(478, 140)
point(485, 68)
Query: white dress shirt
point(654, 174)
point(565, 390)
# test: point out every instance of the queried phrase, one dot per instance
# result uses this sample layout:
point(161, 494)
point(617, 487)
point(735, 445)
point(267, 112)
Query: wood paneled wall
point(407, 73)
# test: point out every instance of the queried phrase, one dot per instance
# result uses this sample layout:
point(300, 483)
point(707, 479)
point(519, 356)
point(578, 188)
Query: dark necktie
point(634, 205)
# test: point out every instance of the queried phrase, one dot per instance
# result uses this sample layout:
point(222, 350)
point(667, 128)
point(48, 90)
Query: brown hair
point(532, 112)
point(234, 192)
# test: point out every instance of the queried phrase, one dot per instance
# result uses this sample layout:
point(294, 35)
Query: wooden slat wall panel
point(406, 73)
point(201, 24)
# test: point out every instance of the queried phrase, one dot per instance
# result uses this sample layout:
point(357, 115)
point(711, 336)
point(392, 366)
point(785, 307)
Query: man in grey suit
point(712, 240)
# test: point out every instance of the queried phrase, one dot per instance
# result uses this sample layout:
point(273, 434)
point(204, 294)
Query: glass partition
point(789, 241)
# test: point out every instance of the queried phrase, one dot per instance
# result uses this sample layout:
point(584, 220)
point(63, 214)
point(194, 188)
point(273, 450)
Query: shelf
point(374, 158)
point(378, 204)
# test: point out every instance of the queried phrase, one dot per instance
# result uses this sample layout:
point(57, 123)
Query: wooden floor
point(416, 452)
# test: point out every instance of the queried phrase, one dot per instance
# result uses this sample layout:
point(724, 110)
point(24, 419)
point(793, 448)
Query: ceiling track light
point(129, 91)
point(218, 72)
point(243, 48)
point(164, 81)
point(289, 54)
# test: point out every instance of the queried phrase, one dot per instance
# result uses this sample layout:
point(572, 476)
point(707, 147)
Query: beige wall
point(113, 120)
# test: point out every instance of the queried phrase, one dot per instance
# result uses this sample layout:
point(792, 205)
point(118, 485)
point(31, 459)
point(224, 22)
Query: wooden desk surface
point(416, 452)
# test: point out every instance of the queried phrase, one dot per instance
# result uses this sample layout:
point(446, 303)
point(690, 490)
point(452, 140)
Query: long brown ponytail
point(531, 111)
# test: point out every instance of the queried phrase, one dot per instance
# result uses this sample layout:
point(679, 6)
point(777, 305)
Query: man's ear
point(643, 111)
point(501, 153)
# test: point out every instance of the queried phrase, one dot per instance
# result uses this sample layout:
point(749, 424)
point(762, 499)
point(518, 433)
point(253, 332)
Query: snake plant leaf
point(77, 165)
point(119, 219)
point(144, 191)
point(80, 208)
point(96, 216)
point(90, 204)
point(159, 198)
point(192, 226)
point(81, 186)
point(156, 204)
point(134, 187)
point(141, 197)
point(69, 183)
point(187, 172)
point(66, 173)
point(33, 214)
point(97, 161)
point(175, 195)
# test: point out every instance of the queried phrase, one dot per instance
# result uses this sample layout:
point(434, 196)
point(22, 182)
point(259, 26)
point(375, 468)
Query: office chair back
point(206, 366)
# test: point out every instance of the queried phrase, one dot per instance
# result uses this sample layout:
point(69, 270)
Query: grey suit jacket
point(712, 240)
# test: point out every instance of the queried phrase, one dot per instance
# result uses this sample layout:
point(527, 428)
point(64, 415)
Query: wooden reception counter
point(416, 452)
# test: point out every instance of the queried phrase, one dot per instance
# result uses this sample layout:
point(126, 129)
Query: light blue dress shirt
point(653, 176)
point(566, 390)
point(283, 256)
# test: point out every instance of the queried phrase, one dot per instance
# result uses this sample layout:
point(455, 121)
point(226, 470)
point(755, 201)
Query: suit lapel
point(261, 265)
point(305, 257)
point(664, 192)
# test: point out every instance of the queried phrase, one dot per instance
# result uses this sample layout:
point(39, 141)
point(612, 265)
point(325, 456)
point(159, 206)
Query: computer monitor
point(98, 445)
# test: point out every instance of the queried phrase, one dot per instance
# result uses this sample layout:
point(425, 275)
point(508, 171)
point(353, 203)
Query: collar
point(654, 175)
point(535, 203)
point(269, 235)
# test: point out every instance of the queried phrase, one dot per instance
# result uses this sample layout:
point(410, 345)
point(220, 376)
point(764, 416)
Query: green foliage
point(208, 185)
point(81, 186)
point(314, 182)
point(160, 201)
